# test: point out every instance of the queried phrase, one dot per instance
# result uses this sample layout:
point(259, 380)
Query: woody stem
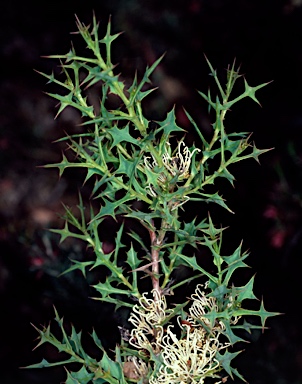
point(155, 264)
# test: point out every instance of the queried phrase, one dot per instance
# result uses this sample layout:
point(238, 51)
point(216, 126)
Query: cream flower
point(179, 164)
point(188, 360)
point(147, 317)
point(202, 305)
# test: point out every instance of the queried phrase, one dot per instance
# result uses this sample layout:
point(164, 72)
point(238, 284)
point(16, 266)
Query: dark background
point(265, 36)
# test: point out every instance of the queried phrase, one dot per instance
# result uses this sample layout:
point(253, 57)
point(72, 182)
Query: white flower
point(188, 360)
point(147, 317)
point(179, 164)
point(202, 305)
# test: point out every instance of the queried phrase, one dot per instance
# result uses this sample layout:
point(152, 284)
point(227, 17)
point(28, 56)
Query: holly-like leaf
point(191, 262)
point(107, 289)
point(228, 332)
point(111, 367)
point(224, 172)
point(80, 377)
point(126, 167)
point(257, 152)
point(211, 198)
point(81, 265)
point(225, 361)
point(234, 262)
point(132, 258)
point(45, 364)
point(248, 327)
point(262, 313)
point(62, 166)
point(96, 74)
point(168, 126)
point(136, 93)
point(251, 91)
point(110, 207)
point(204, 142)
point(121, 135)
point(210, 229)
point(246, 292)
point(107, 40)
point(146, 219)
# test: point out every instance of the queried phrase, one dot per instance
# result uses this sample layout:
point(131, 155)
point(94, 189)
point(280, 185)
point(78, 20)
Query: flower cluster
point(188, 358)
point(202, 305)
point(147, 317)
point(177, 166)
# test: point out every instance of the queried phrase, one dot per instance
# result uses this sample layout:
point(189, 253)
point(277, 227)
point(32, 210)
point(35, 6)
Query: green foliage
point(129, 161)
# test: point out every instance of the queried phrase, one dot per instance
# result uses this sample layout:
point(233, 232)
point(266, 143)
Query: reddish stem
point(155, 264)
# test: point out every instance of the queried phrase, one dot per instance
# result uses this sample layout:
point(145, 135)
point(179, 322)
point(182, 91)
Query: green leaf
point(210, 229)
point(135, 90)
point(212, 245)
point(126, 167)
point(121, 135)
point(257, 152)
point(146, 219)
point(234, 261)
point(109, 208)
point(134, 262)
point(81, 265)
point(191, 262)
point(228, 332)
point(132, 258)
point(45, 364)
point(232, 75)
point(208, 99)
point(226, 174)
point(168, 126)
point(80, 377)
point(96, 74)
point(214, 74)
point(96, 340)
point(246, 326)
point(62, 166)
point(225, 361)
point(213, 315)
point(111, 367)
point(117, 302)
point(220, 292)
point(138, 238)
point(204, 142)
point(76, 343)
point(118, 243)
point(52, 79)
point(246, 292)
point(211, 198)
point(262, 313)
point(107, 40)
point(107, 289)
point(66, 101)
point(251, 91)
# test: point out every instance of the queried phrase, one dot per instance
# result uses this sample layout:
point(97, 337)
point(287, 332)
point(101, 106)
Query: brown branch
point(155, 263)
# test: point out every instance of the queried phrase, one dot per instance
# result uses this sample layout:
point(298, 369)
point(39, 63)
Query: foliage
point(129, 160)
